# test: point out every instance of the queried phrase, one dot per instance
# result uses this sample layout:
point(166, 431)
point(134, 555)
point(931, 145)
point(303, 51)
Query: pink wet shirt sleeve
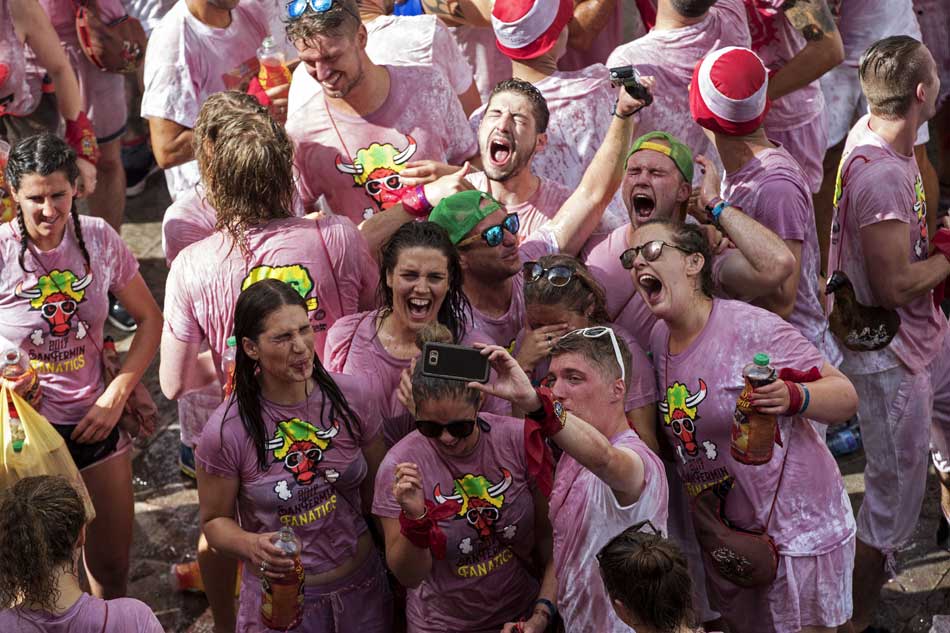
point(179, 310)
point(217, 452)
point(873, 195)
point(123, 264)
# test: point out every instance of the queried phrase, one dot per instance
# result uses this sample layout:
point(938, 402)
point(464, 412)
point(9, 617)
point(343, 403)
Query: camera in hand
point(629, 78)
point(455, 362)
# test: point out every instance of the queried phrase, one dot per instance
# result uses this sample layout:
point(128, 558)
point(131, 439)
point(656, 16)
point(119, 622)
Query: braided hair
point(43, 155)
point(254, 306)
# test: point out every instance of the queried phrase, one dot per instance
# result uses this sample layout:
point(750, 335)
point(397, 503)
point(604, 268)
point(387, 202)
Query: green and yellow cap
point(461, 212)
point(678, 152)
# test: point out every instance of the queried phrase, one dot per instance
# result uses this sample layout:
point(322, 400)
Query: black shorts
point(88, 454)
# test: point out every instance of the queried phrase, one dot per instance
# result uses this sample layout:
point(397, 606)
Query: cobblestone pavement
point(166, 503)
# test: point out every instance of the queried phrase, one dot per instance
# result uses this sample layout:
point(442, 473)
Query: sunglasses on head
point(459, 428)
point(596, 332)
point(651, 252)
point(495, 235)
point(558, 276)
point(296, 8)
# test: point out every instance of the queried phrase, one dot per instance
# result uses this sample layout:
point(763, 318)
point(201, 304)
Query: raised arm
point(895, 280)
point(410, 564)
point(822, 52)
point(581, 212)
point(590, 18)
point(456, 12)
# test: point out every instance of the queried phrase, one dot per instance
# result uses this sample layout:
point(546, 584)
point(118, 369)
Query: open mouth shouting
point(642, 205)
point(500, 150)
point(651, 286)
point(418, 309)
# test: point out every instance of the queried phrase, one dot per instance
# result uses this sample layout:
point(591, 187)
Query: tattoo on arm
point(811, 17)
point(444, 8)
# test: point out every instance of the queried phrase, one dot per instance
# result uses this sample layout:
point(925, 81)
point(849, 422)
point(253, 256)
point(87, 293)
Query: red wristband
point(415, 203)
point(794, 398)
point(941, 241)
point(425, 533)
point(550, 416)
point(81, 137)
point(255, 89)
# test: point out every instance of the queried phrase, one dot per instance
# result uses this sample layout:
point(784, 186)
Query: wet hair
point(455, 312)
point(40, 521)
point(253, 308)
point(690, 238)
point(890, 70)
point(340, 20)
point(433, 388)
point(246, 163)
point(692, 8)
point(599, 352)
point(582, 295)
point(43, 155)
point(527, 90)
point(648, 574)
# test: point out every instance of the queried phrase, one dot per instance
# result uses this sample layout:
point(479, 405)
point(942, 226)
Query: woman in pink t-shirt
point(56, 272)
point(466, 523)
point(288, 449)
point(42, 531)
point(700, 347)
point(561, 295)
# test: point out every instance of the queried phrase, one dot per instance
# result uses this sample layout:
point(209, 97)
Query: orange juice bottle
point(282, 598)
point(274, 71)
point(228, 362)
point(753, 433)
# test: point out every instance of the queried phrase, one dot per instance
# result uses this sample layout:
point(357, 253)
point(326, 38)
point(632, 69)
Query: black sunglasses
point(557, 276)
point(651, 252)
point(495, 235)
point(458, 428)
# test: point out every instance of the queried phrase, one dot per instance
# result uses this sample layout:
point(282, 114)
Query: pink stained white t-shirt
point(353, 347)
point(319, 498)
point(354, 162)
point(189, 219)
point(624, 305)
point(56, 312)
point(670, 55)
point(812, 513)
point(585, 515)
point(772, 190)
point(417, 40)
point(489, 64)
point(16, 97)
point(877, 185)
point(187, 61)
point(534, 212)
point(504, 329)
point(625, 25)
point(326, 261)
point(485, 579)
point(87, 615)
point(579, 103)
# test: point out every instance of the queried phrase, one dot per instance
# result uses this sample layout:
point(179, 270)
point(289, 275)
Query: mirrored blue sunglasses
point(296, 8)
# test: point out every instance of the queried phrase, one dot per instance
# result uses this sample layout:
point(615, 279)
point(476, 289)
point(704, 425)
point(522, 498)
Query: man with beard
point(659, 170)
point(354, 137)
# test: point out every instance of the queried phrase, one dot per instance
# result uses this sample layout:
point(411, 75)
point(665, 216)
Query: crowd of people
point(686, 238)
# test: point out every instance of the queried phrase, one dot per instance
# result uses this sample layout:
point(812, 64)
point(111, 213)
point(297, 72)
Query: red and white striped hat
point(728, 93)
point(525, 29)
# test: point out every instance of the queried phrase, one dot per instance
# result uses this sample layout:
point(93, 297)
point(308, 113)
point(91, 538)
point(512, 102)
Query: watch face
point(559, 410)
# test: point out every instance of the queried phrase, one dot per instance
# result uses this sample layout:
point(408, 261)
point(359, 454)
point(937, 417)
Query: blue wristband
point(552, 610)
point(717, 210)
point(805, 400)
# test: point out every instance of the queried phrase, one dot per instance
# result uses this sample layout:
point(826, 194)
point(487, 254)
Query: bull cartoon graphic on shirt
point(296, 276)
point(480, 503)
point(376, 169)
point(57, 296)
point(680, 413)
point(300, 446)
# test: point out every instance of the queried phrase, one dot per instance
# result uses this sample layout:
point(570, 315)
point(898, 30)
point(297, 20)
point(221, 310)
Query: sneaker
point(119, 317)
point(186, 461)
point(139, 165)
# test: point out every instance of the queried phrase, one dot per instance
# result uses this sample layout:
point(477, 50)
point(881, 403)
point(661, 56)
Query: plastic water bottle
point(274, 71)
point(753, 433)
point(282, 598)
point(844, 441)
point(16, 369)
point(228, 364)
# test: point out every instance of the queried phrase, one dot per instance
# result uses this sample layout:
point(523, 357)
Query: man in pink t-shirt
point(599, 26)
point(353, 137)
point(880, 240)
point(577, 101)
point(684, 33)
point(798, 42)
point(763, 180)
point(188, 59)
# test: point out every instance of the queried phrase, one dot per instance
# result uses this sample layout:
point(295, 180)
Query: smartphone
point(455, 362)
point(629, 78)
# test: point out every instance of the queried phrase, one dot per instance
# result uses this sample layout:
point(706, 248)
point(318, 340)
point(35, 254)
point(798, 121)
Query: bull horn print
point(663, 407)
point(697, 397)
point(348, 168)
point(330, 433)
point(275, 443)
point(26, 294)
point(437, 493)
point(407, 153)
point(80, 284)
point(501, 486)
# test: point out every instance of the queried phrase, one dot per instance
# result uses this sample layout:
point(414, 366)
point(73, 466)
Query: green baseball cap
point(461, 212)
point(679, 153)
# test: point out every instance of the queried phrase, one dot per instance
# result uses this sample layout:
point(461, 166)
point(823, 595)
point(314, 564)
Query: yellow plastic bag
point(43, 451)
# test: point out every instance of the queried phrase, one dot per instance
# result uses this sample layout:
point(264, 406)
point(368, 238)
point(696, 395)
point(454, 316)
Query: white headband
point(735, 110)
point(528, 27)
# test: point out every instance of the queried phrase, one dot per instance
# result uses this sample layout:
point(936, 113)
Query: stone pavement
point(166, 503)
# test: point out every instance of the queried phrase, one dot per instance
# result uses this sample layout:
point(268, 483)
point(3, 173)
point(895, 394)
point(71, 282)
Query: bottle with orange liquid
point(753, 433)
point(282, 598)
point(228, 362)
point(274, 71)
point(15, 368)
